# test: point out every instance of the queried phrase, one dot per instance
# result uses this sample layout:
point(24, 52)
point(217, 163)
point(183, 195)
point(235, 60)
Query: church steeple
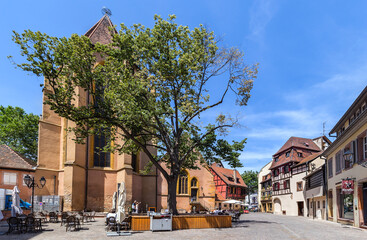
point(100, 32)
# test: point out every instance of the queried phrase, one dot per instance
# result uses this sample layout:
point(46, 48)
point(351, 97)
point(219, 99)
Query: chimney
point(234, 175)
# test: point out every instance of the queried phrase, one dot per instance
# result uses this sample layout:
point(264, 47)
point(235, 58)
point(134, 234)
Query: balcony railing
point(281, 191)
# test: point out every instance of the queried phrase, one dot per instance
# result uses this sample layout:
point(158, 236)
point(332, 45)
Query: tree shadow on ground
point(247, 223)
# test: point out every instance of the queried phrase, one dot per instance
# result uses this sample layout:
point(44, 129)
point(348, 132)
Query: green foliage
point(251, 180)
point(19, 131)
point(149, 92)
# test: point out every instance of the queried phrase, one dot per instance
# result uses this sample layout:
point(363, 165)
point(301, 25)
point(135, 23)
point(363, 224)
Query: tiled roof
point(305, 143)
point(224, 173)
point(309, 158)
point(294, 143)
point(11, 159)
point(219, 196)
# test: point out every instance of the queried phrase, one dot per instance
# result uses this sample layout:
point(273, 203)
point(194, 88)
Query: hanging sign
point(348, 186)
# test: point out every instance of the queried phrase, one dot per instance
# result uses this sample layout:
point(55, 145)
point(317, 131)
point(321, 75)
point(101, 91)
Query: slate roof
point(11, 159)
point(224, 173)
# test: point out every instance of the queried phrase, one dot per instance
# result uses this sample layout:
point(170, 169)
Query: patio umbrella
point(232, 201)
point(15, 208)
point(120, 213)
point(114, 199)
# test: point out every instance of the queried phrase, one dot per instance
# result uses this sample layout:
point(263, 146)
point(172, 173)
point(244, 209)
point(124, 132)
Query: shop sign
point(348, 186)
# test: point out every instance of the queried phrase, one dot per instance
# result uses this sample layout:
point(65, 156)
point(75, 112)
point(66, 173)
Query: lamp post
point(29, 181)
point(348, 156)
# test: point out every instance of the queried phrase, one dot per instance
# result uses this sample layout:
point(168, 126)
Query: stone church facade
point(87, 180)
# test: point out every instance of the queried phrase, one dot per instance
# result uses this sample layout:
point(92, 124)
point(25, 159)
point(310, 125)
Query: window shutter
point(341, 158)
point(6, 178)
point(284, 184)
point(355, 151)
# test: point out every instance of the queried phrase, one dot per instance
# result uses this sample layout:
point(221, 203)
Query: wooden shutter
point(341, 158)
point(355, 150)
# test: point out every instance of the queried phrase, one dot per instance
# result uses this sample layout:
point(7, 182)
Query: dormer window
point(238, 180)
point(363, 107)
point(276, 159)
point(300, 154)
point(287, 154)
point(231, 179)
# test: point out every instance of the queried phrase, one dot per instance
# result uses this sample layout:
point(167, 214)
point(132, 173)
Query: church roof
point(101, 31)
point(11, 159)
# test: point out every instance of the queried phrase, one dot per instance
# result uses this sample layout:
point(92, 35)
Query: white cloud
point(250, 155)
point(261, 13)
point(285, 123)
point(339, 87)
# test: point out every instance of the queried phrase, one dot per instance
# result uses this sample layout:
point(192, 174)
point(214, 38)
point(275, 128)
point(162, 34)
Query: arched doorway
point(277, 206)
point(194, 190)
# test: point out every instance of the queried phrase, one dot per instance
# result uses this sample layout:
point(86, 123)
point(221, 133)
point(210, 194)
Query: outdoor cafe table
point(39, 220)
point(22, 222)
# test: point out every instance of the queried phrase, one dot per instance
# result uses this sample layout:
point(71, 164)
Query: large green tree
point(251, 180)
point(19, 131)
point(149, 92)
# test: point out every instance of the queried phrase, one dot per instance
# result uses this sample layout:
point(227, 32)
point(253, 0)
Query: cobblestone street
point(251, 226)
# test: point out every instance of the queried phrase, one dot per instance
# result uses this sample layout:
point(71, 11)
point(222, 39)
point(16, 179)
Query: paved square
point(251, 226)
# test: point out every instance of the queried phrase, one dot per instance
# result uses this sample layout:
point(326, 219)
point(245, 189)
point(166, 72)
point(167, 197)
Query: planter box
point(142, 223)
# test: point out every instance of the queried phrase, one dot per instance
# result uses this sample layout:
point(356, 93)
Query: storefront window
point(346, 206)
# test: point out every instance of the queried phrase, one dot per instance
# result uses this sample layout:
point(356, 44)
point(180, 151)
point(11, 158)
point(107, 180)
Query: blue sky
point(312, 56)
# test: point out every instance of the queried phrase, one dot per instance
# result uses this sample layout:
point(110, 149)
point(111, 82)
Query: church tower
point(85, 178)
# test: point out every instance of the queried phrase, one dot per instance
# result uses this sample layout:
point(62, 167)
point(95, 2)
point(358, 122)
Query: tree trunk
point(172, 192)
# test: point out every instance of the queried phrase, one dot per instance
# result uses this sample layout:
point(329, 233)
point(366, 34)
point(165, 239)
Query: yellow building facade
point(346, 166)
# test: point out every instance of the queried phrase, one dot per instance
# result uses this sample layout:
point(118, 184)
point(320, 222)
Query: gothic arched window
point(182, 184)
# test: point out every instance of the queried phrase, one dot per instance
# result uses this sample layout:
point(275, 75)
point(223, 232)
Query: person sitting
point(133, 206)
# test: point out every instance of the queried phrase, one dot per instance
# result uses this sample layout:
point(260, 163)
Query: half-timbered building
point(289, 155)
point(228, 185)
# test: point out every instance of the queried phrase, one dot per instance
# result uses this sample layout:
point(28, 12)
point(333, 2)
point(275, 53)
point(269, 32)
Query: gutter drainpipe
point(326, 190)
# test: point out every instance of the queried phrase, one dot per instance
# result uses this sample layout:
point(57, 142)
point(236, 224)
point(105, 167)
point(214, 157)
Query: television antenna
point(106, 11)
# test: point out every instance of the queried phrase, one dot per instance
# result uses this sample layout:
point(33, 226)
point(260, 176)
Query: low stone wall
point(142, 223)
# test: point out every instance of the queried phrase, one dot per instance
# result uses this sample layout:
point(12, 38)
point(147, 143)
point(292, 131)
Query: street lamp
point(348, 156)
point(29, 181)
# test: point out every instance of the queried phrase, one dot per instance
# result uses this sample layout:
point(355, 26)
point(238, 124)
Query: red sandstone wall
point(25, 192)
point(206, 189)
point(101, 186)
